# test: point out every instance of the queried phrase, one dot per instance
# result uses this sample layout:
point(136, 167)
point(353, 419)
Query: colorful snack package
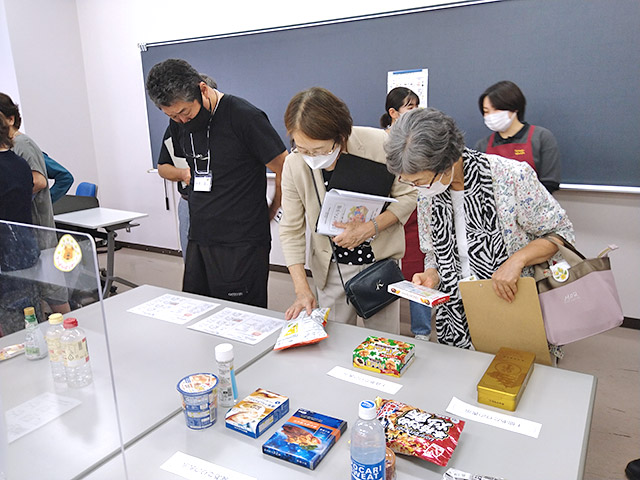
point(304, 329)
point(11, 351)
point(411, 431)
point(453, 474)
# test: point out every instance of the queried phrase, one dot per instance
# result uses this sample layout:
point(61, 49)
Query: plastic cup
point(199, 392)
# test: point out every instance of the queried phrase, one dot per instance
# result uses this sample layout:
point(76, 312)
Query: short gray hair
point(423, 139)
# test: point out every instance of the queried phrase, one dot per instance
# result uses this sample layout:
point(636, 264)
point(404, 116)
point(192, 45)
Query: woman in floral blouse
point(478, 214)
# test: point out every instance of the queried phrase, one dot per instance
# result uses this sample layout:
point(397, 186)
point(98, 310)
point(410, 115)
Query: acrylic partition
point(49, 429)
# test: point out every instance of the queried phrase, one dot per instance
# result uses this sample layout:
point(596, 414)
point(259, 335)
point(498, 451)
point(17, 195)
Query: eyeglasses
point(295, 149)
point(413, 184)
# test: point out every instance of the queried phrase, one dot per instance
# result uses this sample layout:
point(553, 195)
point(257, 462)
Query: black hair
point(173, 80)
point(396, 99)
point(10, 109)
point(505, 95)
point(5, 138)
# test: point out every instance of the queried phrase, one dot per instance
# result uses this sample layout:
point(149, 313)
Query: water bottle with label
point(227, 390)
point(368, 445)
point(56, 355)
point(76, 355)
point(35, 347)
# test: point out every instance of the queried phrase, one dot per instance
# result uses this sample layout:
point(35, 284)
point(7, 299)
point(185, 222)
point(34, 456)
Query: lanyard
point(193, 152)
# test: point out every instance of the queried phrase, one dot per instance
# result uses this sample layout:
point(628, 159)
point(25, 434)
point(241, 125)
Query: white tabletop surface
point(149, 357)
point(98, 217)
point(560, 400)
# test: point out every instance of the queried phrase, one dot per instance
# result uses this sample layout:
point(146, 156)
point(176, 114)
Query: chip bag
point(411, 431)
point(305, 329)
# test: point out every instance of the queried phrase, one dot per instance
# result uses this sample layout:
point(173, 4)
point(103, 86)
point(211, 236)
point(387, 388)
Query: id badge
point(202, 182)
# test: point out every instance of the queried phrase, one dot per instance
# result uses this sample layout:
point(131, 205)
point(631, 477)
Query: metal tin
point(504, 381)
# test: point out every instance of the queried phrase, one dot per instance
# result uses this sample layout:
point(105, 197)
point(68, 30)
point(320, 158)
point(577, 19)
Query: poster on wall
point(416, 80)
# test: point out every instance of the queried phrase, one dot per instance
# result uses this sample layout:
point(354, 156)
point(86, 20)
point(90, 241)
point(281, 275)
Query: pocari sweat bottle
point(368, 445)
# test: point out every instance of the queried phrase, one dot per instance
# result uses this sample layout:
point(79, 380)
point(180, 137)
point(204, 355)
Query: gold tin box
point(504, 381)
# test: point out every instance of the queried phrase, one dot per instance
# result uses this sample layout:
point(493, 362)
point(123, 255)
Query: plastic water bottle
point(227, 390)
point(56, 354)
point(35, 347)
point(76, 355)
point(368, 445)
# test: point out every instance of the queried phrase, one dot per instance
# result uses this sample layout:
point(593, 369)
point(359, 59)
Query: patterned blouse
point(526, 210)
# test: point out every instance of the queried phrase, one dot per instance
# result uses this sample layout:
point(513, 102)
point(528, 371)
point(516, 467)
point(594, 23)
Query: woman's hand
point(354, 233)
point(304, 301)
point(429, 278)
point(506, 277)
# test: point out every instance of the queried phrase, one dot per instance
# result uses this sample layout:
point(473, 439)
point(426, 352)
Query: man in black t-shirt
point(175, 169)
point(227, 143)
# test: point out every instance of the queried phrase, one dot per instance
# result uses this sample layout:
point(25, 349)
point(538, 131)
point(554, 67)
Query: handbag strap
point(333, 247)
point(569, 253)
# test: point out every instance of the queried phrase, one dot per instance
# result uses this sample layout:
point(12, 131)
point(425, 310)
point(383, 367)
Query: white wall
point(80, 81)
point(52, 88)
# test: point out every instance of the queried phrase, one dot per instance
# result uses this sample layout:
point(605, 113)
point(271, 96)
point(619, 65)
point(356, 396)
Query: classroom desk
point(109, 220)
point(149, 357)
point(561, 400)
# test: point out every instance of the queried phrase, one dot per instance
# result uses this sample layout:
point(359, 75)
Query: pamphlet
point(344, 206)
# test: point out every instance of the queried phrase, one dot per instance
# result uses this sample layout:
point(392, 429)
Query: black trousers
point(236, 273)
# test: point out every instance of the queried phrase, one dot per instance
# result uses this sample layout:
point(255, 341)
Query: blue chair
point(86, 189)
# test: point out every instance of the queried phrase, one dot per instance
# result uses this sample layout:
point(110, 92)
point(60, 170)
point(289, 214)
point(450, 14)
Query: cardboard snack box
point(383, 355)
point(257, 412)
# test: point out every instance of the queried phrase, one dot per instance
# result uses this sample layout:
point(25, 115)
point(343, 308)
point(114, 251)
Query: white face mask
point(436, 188)
point(321, 161)
point(499, 121)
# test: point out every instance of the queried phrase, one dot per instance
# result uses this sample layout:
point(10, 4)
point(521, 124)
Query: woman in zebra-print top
point(478, 214)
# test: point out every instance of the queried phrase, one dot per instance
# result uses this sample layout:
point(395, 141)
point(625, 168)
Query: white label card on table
point(507, 422)
point(365, 380)
point(245, 327)
point(173, 308)
point(34, 413)
point(194, 468)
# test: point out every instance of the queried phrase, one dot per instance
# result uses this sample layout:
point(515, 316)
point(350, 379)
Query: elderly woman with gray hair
point(478, 214)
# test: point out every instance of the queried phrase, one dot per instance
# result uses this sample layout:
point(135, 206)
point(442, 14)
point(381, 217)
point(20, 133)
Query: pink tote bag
point(579, 301)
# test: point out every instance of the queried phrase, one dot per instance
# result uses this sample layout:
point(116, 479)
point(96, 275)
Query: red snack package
point(411, 431)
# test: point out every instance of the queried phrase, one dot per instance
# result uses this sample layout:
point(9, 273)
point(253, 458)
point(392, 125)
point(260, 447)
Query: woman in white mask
point(329, 152)
point(503, 106)
point(478, 214)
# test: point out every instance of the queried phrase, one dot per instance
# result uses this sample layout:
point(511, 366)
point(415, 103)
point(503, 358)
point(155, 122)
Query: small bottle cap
point(224, 352)
point(70, 323)
point(56, 318)
point(29, 311)
point(367, 410)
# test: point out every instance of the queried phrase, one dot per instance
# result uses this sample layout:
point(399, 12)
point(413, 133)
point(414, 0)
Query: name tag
point(202, 182)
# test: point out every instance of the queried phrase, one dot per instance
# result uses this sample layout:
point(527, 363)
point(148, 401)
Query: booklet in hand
point(344, 206)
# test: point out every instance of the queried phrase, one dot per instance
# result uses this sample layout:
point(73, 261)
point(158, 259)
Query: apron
point(523, 152)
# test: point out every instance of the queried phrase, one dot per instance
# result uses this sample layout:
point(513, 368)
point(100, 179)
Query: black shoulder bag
point(367, 291)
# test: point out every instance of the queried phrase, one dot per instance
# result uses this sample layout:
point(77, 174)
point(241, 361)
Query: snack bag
point(304, 329)
point(411, 431)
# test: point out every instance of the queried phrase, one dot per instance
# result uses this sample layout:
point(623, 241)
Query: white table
point(149, 357)
point(561, 400)
point(109, 220)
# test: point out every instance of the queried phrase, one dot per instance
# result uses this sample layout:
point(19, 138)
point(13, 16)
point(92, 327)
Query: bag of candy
point(411, 431)
point(304, 329)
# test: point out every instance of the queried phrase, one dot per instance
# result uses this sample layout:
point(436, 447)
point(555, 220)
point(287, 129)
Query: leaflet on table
point(34, 413)
point(344, 206)
point(245, 327)
point(173, 308)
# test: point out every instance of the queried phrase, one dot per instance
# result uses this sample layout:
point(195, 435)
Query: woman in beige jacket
point(321, 131)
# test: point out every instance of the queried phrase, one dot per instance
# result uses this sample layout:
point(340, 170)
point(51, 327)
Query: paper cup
point(199, 393)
